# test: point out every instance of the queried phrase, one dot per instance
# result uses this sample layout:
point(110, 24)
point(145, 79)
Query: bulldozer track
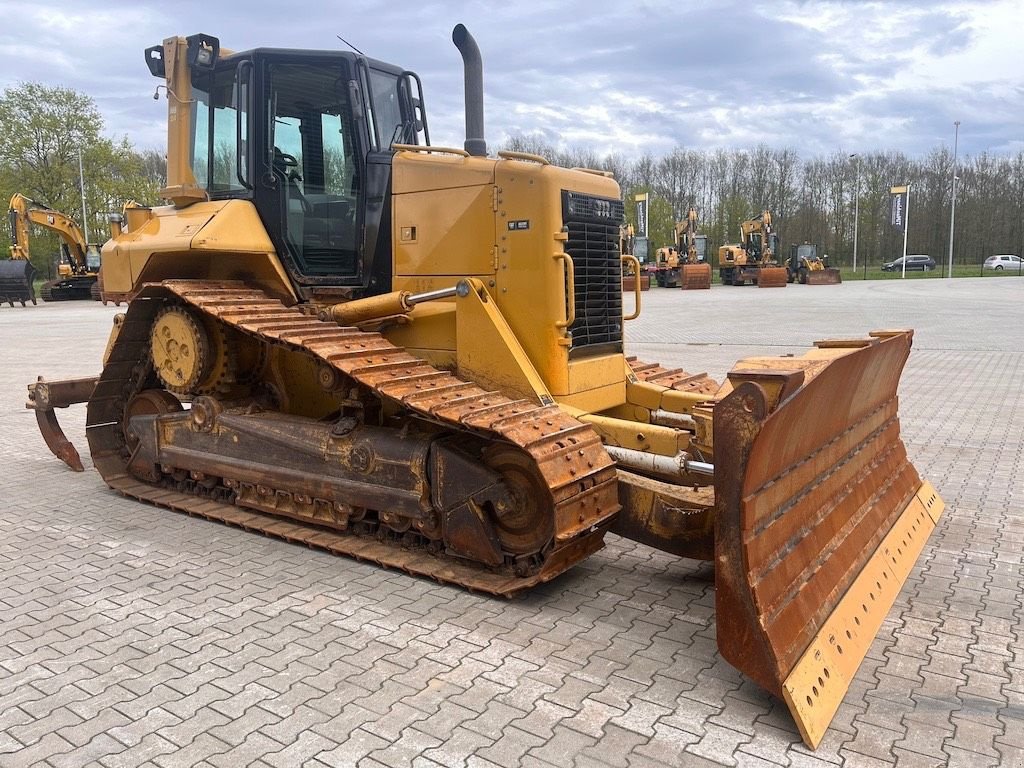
point(579, 475)
point(673, 378)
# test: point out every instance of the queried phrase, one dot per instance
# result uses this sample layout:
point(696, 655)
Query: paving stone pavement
point(131, 636)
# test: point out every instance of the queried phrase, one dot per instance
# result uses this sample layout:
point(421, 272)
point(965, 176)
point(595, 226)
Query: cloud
point(627, 79)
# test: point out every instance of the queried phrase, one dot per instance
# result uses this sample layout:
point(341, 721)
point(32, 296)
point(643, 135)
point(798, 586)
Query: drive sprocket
point(187, 357)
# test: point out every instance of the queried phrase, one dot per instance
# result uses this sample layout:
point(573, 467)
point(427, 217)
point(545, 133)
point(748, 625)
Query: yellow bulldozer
point(753, 258)
point(79, 264)
point(339, 334)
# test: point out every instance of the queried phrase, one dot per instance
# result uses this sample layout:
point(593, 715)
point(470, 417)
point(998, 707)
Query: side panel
point(222, 240)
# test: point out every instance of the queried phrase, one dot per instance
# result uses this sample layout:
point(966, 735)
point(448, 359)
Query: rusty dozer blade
point(696, 276)
point(827, 276)
point(772, 277)
point(819, 517)
point(43, 397)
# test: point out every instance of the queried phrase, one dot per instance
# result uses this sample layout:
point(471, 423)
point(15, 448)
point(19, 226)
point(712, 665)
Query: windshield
point(313, 157)
point(215, 106)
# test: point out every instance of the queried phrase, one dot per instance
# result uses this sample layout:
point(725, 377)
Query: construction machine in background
point(696, 271)
point(806, 267)
point(753, 259)
point(685, 262)
point(79, 263)
point(17, 280)
point(667, 267)
point(630, 277)
point(343, 336)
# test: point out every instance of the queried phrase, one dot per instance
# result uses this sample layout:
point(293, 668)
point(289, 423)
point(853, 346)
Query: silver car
point(1004, 261)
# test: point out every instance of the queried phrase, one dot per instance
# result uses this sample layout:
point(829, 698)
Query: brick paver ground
point(130, 635)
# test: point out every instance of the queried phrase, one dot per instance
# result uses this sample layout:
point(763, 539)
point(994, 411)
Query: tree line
point(815, 199)
point(42, 131)
point(43, 128)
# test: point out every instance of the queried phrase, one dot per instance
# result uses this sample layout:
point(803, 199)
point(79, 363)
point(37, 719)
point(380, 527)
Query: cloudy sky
point(623, 77)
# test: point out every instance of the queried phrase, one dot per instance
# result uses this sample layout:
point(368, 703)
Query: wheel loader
point(806, 267)
point(342, 335)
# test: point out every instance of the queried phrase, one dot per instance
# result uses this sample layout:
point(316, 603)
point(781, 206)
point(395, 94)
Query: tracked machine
point(753, 258)
point(696, 271)
point(18, 274)
point(341, 335)
point(79, 264)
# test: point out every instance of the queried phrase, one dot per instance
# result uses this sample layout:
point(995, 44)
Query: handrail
point(636, 285)
point(419, 148)
point(594, 171)
point(508, 154)
point(570, 291)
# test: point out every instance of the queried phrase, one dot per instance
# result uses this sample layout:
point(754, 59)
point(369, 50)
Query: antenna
point(346, 42)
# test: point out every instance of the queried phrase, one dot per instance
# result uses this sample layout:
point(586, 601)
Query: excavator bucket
point(17, 278)
point(819, 517)
point(827, 276)
point(772, 277)
point(696, 276)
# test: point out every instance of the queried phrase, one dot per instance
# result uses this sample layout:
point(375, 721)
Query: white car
point(1004, 261)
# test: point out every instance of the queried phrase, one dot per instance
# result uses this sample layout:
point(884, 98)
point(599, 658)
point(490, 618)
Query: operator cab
point(307, 137)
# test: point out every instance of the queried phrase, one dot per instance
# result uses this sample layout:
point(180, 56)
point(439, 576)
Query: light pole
point(81, 187)
point(952, 209)
point(856, 210)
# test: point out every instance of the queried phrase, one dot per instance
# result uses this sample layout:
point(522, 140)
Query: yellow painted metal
point(499, 221)
point(636, 286)
point(655, 396)
point(115, 331)
point(488, 352)
point(528, 156)
point(370, 308)
point(678, 401)
point(584, 372)
point(179, 349)
point(570, 297)
point(429, 332)
point(815, 687)
point(442, 225)
point(167, 242)
point(181, 188)
point(651, 438)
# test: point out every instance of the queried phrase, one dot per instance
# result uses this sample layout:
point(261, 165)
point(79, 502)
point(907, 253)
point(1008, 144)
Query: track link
point(569, 456)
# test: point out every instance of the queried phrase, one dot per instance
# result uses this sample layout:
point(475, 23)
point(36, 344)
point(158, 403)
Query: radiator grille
point(593, 227)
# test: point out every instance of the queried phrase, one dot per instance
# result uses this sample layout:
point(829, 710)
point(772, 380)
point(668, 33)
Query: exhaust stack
point(474, 78)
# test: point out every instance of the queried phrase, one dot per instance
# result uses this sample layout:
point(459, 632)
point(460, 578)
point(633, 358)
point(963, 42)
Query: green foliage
point(815, 199)
point(42, 130)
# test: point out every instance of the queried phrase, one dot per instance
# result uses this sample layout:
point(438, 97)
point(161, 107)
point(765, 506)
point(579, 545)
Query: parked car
point(920, 262)
point(1003, 261)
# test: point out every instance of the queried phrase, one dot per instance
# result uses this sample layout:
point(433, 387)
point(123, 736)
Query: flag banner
point(899, 207)
point(641, 215)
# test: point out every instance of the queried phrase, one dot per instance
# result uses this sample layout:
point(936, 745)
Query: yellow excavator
point(684, 263)
point(344, 336)
point(753, 259)
point(696, 271)
point(79, 264)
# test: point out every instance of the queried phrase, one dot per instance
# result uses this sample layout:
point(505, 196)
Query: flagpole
point(906, 230)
